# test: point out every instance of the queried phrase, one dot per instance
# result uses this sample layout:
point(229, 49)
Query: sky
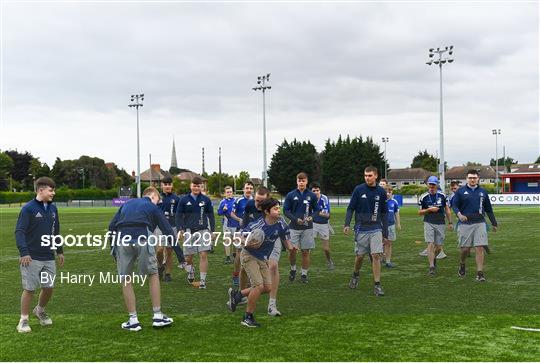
point(68, 70)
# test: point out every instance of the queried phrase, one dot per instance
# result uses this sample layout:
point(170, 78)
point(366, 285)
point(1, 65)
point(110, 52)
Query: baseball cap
point(433, 180)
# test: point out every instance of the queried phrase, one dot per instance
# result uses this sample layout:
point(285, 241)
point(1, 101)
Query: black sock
point(377, 283)
point(356, 273)
point(249, 315)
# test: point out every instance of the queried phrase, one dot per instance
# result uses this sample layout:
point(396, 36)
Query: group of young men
point(185, 225)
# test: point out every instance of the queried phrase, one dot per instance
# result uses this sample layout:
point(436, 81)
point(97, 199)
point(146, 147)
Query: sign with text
point(532, 199)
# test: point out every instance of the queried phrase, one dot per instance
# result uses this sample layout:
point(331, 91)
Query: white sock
point(203, 276)
point(24, 317)
point(133, 317)
point(271, 302)
point(189, 268)
point(293, 267)
point(304, 271)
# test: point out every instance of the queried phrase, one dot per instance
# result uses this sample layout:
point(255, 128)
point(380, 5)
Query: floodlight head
point(259, 77)
point(258, 82)
point(431, 55)
point(431, 50)
point(450, 60)
point(436, 62)
point(438, 49)
point(450, 53)
point(451, 47)
point(443, 61)
point(446, 47)
point(269, 87)
point(268, 76)
point(429, 63)
point(142, 94)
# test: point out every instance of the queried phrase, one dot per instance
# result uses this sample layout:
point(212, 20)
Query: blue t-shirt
point(271, 234)
point(428, 200)
point(368, 204)
point(239, 207)
point(393, 208)
point(323, 204)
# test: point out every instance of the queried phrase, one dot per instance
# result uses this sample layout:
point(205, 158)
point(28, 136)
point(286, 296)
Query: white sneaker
point(202, 284)
point(44, 319)
point(131, 325)
point(273, 311)
point(161, 321)
point(423, 253)
point(23, 326)
point(441, 255)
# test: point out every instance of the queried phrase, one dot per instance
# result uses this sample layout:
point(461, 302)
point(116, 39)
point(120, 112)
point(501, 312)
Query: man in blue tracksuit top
point(321, 224)
point(196, 224)
point(168, 204)
point(470, 203)
point(299, 207)
point(37, 219)
point(135, 242)
point(229, 225)
point(368, 203)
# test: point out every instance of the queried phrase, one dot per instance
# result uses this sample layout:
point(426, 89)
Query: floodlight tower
point(136, 101)
point(497, 132)
point(440, 60)
point(385, 140)
point(262, 86)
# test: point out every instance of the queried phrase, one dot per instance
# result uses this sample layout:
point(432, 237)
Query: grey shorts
point(472, 235)
point(38, 273)
point(370, 242)
point(143, 254)
point(434, 233)
point(162, 240)
point(276, 252)
point(322, 230)
point(302, 238)
point(392, 236)
point(197, 243)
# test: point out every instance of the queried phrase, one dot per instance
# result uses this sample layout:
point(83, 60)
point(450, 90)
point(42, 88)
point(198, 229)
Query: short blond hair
point(149, 191)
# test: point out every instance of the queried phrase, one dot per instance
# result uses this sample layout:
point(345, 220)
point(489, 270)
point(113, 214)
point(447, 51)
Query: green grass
point(420, 318)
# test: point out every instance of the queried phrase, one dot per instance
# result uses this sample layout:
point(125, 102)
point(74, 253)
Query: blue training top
point(369, 207)
point(271, 234)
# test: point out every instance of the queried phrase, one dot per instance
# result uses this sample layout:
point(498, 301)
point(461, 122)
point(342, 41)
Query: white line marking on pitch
point(526, 329)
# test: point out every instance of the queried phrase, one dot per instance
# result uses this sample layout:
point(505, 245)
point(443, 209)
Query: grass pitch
point(421, 318)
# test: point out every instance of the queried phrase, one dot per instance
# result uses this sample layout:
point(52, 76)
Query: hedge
point(62, 195)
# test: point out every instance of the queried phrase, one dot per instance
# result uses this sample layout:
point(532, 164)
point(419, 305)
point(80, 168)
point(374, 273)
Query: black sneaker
point(353, 283)
point(461, 271)
point(160, 271)
point(480, 276)
point(378, 291)
point(250, 322)
point(292, 275)
point(486, 248)
point(227, 260)
point(167, 278)
point(432, 271)
point(303, 279)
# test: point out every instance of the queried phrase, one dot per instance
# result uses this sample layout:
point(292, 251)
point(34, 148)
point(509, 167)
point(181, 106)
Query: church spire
point(174, 162)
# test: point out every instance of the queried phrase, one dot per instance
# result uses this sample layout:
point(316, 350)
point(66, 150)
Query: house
point(154, 175)
point(257, 182)
point(486, 173)
point(522, 178)
point(398, 178)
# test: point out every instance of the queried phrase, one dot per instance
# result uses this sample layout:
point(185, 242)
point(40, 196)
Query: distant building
point(486, 173)
point(398, 178)
point(522, 178)
point(257, 182)
point(154, 175)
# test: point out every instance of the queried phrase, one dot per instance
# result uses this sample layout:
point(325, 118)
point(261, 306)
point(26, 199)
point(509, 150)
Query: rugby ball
point(255, 239)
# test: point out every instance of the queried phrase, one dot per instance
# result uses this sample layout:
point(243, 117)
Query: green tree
point(6, 165)
point(289, 160)
point(241, 179)
point(472, 163)
point(343, 163)
point(537, 160)
point(21, 168)
point(216, 182)
point(506, 161)
point(425, 160)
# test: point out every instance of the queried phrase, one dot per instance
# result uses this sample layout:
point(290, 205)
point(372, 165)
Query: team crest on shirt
point(377, 197)
point(306, 202)
point(39, 215)
point(466, 192)
point(295, 198)
point(481, 194)
point(173, 201)
point(276, 233)
point(201, 204)
point(363, 196)
point(188, 203)
point(308, 198)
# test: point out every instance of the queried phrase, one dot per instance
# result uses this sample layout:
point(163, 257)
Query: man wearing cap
point(168, 204)
point(434, 207)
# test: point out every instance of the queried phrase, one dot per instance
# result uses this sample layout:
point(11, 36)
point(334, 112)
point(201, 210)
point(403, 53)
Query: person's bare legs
point(155, 293)
point(431, 254)
point(129, 297)
point(326, 249)
point(306, 260)
point(26, 301)
point(376, 266)
point(44, 296)
point(358, 263)
point(479, 258)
